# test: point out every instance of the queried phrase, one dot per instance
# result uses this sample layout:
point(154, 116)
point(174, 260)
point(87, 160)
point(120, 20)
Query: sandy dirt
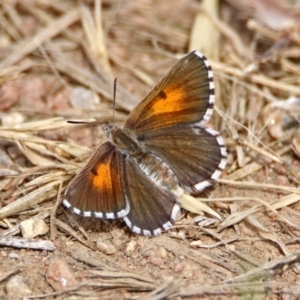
point(58, 60)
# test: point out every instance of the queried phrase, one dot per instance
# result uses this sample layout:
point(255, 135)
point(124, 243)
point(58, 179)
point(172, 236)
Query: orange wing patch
point(102, 177)
point(169, 100)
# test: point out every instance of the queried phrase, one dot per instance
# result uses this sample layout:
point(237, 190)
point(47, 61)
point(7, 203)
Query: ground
point(58, 61)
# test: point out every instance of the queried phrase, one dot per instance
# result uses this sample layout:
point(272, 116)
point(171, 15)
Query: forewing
point(98, 189)
point(185, 95)
point(153, 208)
point(196, 155)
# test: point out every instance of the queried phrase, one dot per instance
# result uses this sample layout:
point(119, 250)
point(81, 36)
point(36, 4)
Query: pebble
point(196, 243)
point(156, 261)
point(162, 252)
point(16, 288)
point(11, 119)
point(131, 246)
point(178, 268)
point(83, 98)
point(31, 228)
point(106, 247)
point(13, 255)
point(60, 275)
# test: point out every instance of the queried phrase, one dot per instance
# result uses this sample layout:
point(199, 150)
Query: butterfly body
point(163, 151)
point(127, 142)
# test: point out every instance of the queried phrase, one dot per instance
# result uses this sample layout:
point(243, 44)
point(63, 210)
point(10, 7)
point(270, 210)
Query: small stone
point(13, 255)
point(60, 275)
point(105, 247)
point(162, 252)
point(16, 288)
point(181, 235)
point(12, 119)
point(131, 246)
point(69, 243)
point(57, 244)
point(282, 180)
point(44, 253)
point(188, 272)
point(83, 98)
point(197, 243)
point(31, 228)
point(178, 268)
point(118, 243)
point(154, 260)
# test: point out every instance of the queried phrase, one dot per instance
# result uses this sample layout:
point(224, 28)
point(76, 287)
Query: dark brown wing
point(98, 189)
point(196, 155)
point(152, 201)
point(185, 95)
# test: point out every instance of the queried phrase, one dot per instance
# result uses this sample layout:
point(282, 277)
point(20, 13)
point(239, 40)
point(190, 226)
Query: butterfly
point(163, 151)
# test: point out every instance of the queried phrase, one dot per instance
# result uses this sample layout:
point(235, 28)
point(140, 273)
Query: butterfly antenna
point(114, 99)
point(101, 123)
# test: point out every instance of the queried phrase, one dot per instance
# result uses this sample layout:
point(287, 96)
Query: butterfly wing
point(152, 199)
point(170, 123)
point(174, 148)
point(196, 155)
point(98, 189)
point(184, 96)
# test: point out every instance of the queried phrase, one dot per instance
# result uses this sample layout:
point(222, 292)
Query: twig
point(8, 241)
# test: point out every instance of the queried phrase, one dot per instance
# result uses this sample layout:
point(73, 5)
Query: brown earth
point(57, 65)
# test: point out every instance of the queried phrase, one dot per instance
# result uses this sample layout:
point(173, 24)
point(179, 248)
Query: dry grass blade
point(51, 50)
point(119, 279)
point(33, 198)
point(34, 126)
point(34, 148)
point(10, 273)
point(194, 205)
point(168, 289)
point(102, 86)
point(142, 76)
point(204, 35)
point(267, 267)
point(261, 151)
point(264, 232)
point(32, 43)
point(93, 259)
point(237, 289)
point(26, 132)
point(200, 257)
point(95, 36)
point(237, 217)
point(66, 228)
point(53, 228)
point(260, 186)
point(228, 31)
point(256, 78)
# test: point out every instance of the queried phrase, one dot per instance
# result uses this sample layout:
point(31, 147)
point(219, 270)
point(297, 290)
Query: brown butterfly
point(163, 151)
